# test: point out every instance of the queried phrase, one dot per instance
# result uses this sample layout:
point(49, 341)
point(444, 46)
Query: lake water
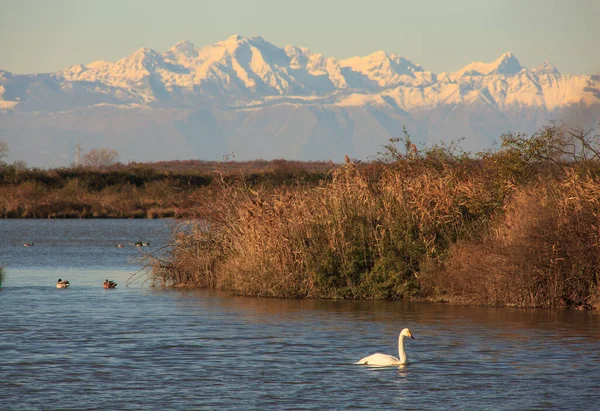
point(135, 348)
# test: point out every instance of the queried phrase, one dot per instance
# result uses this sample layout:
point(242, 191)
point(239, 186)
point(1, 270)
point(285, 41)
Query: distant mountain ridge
point(245, 94)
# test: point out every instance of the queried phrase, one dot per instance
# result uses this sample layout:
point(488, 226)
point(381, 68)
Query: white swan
point(382, 360)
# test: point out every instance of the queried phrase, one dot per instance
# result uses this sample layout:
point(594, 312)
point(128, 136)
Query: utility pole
point(77, 154)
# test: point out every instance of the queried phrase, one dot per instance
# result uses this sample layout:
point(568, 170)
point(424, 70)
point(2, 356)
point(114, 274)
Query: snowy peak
point(381, 62)
point(507, 65)
point(379, 57)
point(300, 58)
point(237, 42)
point(253, 62)
point(243, 48)
point(383, 70)
point(142, 59)
point(405, 66)
point(235, 37)
point(233, 42)
point(545, 68)
point(184, 53)
point(183, 48)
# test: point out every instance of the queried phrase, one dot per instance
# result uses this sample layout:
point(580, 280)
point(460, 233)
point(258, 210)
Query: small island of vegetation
point(518, 226)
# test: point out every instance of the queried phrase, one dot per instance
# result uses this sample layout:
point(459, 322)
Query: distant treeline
point(518, 226)
point(153, 190)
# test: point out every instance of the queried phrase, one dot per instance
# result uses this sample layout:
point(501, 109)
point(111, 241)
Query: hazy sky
point(48, 35)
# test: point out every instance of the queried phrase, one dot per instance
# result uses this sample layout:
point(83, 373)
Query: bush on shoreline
point(542, 252)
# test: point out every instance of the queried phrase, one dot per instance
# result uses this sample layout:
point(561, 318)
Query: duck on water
point(109, 284)
point(62, 283)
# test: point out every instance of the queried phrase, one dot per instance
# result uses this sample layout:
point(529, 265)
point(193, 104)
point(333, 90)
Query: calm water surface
point(137, 348)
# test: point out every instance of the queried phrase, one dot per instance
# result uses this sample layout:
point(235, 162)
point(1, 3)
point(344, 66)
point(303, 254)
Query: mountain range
point(247, 98)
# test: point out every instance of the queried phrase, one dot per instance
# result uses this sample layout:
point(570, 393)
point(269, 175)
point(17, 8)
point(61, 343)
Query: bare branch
point(100, 157)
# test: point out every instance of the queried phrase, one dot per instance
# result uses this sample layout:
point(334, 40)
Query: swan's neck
point(401, 352)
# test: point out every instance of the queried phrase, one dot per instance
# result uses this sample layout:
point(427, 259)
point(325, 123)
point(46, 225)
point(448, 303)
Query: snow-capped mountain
point(245, 94)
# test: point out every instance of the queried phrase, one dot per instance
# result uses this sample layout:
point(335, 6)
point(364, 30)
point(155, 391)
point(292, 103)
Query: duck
point(62, 283)
point(120, 245)
point(28, 245)
point(141, 244)
point(109, 284)
point(383, 360)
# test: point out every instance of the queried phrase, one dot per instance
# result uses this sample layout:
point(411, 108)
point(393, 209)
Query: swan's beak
point(411, 336)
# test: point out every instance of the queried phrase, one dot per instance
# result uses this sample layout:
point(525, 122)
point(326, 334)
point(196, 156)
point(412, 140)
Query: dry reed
point(506, 228)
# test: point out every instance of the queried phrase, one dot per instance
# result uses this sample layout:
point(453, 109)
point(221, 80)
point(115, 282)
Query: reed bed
point(503, 228)
point(364, 233)
point(543, 252)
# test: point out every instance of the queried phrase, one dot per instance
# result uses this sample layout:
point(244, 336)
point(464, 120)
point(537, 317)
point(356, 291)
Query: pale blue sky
point(47, 35)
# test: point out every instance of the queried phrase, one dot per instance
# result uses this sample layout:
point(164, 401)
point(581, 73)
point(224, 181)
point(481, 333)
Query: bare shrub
point(100, 158)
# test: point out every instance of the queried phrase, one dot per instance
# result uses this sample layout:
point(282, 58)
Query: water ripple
point(86, 348)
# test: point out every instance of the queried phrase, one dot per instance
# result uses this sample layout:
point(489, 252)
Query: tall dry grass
point(544, 250)
point(363, 233)
point(514, 227)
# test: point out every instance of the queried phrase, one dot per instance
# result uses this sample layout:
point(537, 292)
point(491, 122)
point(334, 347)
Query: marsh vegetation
point(154, 190)
point(517, 226)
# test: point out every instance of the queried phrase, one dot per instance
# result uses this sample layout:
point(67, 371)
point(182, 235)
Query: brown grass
point(155, 190)
point(514, 227)
point(364, 233)
point(543, 251)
